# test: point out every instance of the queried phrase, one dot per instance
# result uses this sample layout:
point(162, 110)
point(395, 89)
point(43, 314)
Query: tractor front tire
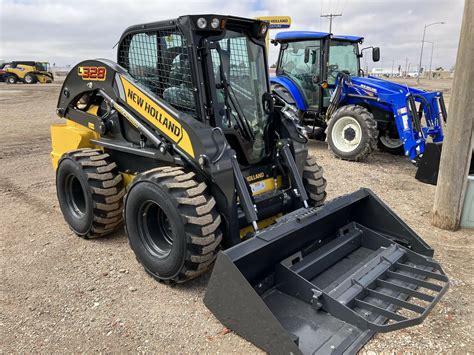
point(30, 79)
point(172, 224)
point(90, 192)
point(314, 182)
point(352, 133)
point(390, 145)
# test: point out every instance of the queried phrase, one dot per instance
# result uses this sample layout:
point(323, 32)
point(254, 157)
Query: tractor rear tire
point(172, 224)
point(90, 192)
point(30, 79)
point(12, 79)
point(314, 182)
point(352, 133)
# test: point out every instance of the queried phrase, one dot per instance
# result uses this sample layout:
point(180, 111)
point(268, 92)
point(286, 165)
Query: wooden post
point(458, 141)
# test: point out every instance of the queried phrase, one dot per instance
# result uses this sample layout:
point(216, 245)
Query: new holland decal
point(157, 116)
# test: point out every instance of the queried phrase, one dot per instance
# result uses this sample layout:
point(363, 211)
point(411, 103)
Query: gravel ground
point(60, 293)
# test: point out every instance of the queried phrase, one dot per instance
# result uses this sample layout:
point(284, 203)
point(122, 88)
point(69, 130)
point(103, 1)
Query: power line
point(331, 16)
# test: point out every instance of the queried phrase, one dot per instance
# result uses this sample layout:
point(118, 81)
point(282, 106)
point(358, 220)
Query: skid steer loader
point(215, 165)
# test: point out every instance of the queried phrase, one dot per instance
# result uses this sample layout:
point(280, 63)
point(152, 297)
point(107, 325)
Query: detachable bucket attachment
point(324, 280)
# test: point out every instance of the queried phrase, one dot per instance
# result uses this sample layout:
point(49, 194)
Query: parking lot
point(62, 292)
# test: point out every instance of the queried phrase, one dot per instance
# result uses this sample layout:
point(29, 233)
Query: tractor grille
point(160, 61)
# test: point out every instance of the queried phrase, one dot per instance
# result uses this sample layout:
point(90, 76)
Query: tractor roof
point(289, 36)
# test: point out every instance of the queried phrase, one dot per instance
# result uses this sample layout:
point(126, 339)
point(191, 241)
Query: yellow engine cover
point(70, 136)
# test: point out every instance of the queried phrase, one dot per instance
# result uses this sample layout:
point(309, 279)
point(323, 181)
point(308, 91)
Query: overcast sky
point(65, 32)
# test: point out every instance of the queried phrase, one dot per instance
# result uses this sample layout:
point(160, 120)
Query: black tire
point(90, 192)
point(395, 150)
point(30, 79)
point(368, 132)
point(11, 79)
point(172, 224)
point(314, 182)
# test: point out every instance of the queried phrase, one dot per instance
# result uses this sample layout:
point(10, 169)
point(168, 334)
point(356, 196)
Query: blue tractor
point(320, 74)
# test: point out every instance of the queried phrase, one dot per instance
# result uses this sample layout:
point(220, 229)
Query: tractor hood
point(373, 85)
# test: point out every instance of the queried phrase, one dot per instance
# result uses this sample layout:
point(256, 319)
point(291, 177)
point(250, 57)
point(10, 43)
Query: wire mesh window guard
point(160, 61)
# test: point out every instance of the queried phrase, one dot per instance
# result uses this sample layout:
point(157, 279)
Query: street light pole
point(422, 43)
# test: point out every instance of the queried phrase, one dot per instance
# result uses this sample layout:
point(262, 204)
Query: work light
point(263, 29)
point(215, 23)
point(201, 23)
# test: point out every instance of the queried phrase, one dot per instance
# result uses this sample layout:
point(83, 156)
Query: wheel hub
point(346, 134)
point(75, 196)
point(349, 134)
point(155, 229)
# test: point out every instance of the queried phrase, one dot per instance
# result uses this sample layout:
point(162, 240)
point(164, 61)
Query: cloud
point(65, 32)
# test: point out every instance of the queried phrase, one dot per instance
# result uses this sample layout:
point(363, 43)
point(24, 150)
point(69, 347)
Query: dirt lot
point(60, 293)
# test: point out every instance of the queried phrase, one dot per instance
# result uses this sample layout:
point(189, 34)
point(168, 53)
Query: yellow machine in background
point(28, 72)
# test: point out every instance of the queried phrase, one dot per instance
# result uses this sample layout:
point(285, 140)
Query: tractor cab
point(309, 63)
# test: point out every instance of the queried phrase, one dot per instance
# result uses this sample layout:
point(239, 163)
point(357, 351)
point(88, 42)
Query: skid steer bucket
point(325, 280)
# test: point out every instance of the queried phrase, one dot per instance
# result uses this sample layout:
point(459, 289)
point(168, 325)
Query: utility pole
point(330, 19)
point(422, 43)
point(458, 141)
point(393, 63)
point(406, 68)
point(431, 57)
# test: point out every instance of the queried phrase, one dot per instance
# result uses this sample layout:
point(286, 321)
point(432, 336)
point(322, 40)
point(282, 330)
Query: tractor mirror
point(376, 54)
point(307, 52)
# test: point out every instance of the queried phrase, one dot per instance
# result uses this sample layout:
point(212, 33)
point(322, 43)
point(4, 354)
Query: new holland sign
point(277, 21)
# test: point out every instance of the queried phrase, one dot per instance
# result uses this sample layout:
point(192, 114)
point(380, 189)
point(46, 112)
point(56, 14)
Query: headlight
point(215, 23)
point(201, 23)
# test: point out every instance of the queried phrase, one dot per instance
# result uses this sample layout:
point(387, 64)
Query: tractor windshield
point(300, 61)
point(42, 66)
point(240, 74)
point(342, 58)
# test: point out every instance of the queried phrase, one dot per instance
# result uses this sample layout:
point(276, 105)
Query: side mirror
point(307, 52)
point(376, 54)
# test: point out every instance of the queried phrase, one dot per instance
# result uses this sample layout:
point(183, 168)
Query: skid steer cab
point(28, 72)
point(321, 73)
point(183, 142)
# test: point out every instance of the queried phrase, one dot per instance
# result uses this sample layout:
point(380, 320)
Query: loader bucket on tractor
point(325, 280)
point(428, 164)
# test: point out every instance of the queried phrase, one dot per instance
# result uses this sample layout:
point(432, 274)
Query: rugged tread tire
point(196, 208)
point(104, 188)
point(30, 79)
point(369, 128)
point(11, 79)
point(314, 182)
point(395, 151)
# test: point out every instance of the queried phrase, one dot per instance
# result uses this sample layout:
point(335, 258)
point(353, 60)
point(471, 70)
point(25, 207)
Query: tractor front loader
point(183, 141)
point(321, 73)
